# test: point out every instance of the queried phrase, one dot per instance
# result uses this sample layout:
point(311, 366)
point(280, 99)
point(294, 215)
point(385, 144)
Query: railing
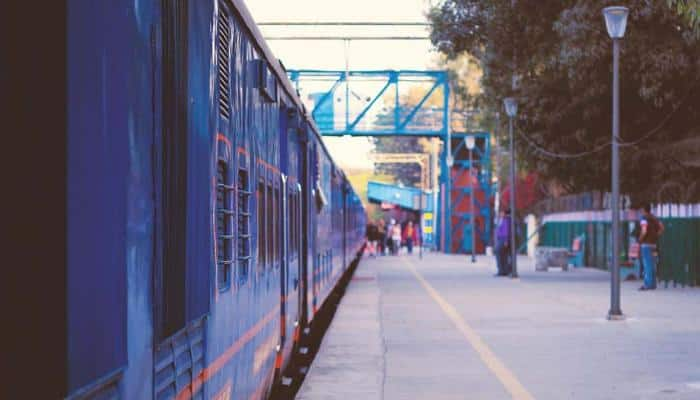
point(679, 261)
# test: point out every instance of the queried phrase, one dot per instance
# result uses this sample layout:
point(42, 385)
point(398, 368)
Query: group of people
point(389, 237)
point(647, 233)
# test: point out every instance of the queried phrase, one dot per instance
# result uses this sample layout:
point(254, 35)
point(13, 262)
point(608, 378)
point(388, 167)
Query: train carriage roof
point(277, 68)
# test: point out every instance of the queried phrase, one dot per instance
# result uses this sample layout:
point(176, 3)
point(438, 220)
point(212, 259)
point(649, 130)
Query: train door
point(345, 224)
point(312, 212)
point(299, 233)
point(282, 221)
point(284, 269)
point(305, 197)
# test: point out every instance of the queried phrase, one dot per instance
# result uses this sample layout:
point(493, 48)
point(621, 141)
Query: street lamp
point(511, 106)
point(420, 224)
point(616, 23)
point(469, 141)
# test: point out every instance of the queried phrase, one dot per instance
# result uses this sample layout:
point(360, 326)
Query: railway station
point(396, 199)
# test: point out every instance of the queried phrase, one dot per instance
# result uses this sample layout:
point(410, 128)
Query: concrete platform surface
point(444, 328)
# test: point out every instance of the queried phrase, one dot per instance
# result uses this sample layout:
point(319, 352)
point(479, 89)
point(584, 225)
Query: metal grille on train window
point(277, 232)
point(268, 225)
point(224, 226)
point(291, 217)
point(298, 230)
point(295, 227)
point(243, 225)
point(261, 226)
point(223, 52)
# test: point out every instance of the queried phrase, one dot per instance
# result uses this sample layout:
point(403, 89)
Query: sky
point(367, 55)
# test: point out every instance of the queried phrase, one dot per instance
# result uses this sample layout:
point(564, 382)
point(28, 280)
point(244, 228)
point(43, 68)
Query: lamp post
point(511, 106)
point(446, 213)
point(420, 225)
point(470, 142)
point(615, 22)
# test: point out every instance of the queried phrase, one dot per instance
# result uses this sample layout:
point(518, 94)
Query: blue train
point(206, 223)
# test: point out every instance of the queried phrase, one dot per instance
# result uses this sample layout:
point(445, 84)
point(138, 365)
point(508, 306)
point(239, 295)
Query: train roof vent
point(223, 51)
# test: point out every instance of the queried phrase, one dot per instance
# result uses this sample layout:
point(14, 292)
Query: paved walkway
point(444, 328)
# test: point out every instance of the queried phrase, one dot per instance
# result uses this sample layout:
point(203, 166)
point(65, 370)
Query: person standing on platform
point(651, 231)
point(410, 236)
point(503, 244)
point(396, 238)
point(388, 238)
point(381, 234)
point(372, 239)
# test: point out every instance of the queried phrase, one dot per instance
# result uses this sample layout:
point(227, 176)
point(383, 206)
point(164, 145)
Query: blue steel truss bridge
point(376, 103)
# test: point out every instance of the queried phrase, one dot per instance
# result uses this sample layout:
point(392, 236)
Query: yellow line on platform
point(504, 375)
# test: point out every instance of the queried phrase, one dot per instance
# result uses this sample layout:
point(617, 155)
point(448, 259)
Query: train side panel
point(112, 124)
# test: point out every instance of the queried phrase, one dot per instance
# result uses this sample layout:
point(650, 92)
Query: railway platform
point(444, 328)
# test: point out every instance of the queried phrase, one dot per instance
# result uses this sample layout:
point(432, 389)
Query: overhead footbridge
point(405, 197)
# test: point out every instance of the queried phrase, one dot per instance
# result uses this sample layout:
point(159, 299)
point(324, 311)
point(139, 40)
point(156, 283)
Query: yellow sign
point(428, 229)
point(428, 215)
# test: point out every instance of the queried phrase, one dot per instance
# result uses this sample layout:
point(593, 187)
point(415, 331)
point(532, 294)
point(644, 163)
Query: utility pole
point(616, 24)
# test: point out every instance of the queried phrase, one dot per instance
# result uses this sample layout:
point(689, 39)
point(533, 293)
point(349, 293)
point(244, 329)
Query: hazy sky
point(349, 152)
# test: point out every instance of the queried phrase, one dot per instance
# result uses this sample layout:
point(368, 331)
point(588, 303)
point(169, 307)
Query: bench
point(577, 251)
point(630, 268)
point(551, 257)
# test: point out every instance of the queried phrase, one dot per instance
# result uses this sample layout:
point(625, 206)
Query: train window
point(223, 52)
point(268, 222)
point(291, 218)
point(243, 225)
point(277, 222)
point(298, 231)
point(295, 224)
point(224, 225)
point(261, 226)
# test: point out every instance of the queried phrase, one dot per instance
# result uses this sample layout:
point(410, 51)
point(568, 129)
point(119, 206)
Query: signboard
point(428, 215)
point(428, 229)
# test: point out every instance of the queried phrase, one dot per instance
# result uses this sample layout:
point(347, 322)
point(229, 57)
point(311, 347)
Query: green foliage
point(690, 10)
point(405, 174)
point(562, 57)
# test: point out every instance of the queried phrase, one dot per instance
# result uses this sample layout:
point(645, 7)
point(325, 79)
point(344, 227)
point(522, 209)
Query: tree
point(690, 10)
point(560, 55)
point(405, 174)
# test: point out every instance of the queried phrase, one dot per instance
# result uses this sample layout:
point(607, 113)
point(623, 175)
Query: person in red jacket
point(410, 236)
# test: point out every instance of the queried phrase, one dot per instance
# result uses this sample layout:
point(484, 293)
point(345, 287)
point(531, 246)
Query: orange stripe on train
point(223, 359)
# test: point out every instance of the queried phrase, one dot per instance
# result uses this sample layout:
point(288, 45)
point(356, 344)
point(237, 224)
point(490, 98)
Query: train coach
point(205, 222)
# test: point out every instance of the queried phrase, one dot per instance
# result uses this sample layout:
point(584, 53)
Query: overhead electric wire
point(346, 24)
point(349, 23)
point(347, 38)
point(561, 155)
point(601, 147)
point(662, 123)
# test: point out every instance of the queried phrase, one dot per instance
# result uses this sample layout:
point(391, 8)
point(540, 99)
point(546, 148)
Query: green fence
point(679, 261)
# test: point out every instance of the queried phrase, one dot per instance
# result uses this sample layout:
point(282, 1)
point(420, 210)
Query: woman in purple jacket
point(503, 244)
